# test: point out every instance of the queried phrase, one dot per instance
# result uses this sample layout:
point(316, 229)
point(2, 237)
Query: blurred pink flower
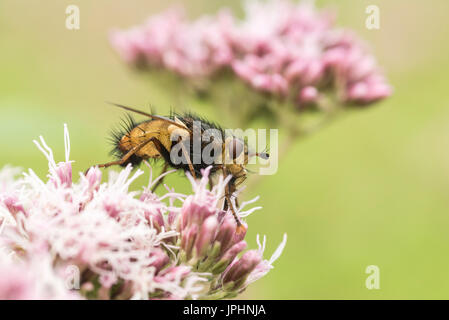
point(301, 46)
point(168, 40)
point(308, 95)
point(279, 47)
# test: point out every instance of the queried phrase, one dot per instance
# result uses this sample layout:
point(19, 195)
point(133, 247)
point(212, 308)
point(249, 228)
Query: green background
point(371, 189)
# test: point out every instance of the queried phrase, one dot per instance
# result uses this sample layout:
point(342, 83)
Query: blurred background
point(371, 189)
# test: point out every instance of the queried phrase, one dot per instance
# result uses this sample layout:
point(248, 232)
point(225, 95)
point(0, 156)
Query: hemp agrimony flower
point(116, 243)
point(289, 51)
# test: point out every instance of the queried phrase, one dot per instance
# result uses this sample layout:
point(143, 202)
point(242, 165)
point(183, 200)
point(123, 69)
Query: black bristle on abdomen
point(127, 124)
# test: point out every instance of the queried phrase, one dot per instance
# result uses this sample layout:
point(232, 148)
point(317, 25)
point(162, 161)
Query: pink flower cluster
point(210, 241)
point(280, 48)
point(61, 239)
point(169, 41)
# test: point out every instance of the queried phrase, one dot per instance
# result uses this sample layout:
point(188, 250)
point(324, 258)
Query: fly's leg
point(228, 204)
point(159, 146)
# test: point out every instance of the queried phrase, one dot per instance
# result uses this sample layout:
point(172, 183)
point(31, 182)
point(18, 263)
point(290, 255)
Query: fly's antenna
point(149, 115)
point(262, 155)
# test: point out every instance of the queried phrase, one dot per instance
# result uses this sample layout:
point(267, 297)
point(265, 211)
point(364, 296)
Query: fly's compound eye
point(235, 148)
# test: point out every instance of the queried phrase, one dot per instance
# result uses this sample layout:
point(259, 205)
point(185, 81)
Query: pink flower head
point(169, 41)
point(277, 48)
point(120, 245)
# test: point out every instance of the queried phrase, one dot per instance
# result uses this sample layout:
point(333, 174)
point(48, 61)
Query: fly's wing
point(176, 123)
point(177, 129)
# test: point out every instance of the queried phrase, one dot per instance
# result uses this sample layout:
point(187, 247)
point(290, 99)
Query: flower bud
point(13, 204)
point(161, 259)
point(155, 219)
point(93, 177)
point(226, 232)
point(235, 277)
point(63, 174)
point(172, 273)
point(188, 239)
point(206, 235)
point(195, 212)
point(228, 257)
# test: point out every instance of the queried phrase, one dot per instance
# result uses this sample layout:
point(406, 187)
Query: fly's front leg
point(228, 204)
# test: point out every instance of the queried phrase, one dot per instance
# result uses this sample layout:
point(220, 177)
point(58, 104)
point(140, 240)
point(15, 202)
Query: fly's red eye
point(235, 148)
